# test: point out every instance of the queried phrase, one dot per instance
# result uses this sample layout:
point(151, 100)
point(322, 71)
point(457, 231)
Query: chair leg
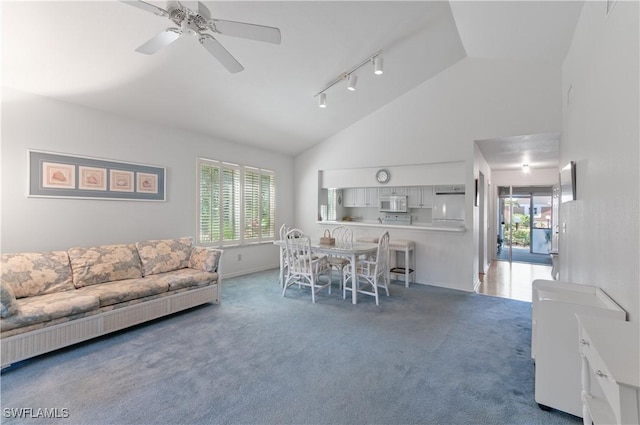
point(344, 286)
point(285, 285)
point(386, 286)
point(375, 291)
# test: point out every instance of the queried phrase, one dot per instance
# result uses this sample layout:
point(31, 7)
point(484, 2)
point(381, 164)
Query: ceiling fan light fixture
point(322, 100)
point(378, 65)
point(194, 18)
point(351, 82)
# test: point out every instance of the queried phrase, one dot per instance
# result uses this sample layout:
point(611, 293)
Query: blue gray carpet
point(426, 355)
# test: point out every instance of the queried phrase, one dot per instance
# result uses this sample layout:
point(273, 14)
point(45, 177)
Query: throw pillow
point(161, 256)
point(8, 299)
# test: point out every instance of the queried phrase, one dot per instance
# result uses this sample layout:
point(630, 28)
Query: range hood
point(453, 189)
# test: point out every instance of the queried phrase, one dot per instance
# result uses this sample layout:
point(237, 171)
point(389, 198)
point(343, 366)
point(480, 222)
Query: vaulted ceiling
point(83, 52)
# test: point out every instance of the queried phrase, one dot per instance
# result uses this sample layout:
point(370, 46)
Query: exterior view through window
point(236, 203)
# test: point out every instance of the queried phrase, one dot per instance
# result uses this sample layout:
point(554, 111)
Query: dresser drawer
point(610, 370)
point(600, 374)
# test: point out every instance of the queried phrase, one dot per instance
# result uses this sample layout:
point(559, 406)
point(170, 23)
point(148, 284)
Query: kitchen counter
point(452, 229)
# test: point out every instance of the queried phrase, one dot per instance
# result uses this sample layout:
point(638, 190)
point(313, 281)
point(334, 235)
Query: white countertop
point(425, 226)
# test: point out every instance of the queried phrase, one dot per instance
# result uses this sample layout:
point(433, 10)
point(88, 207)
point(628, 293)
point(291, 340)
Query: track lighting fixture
point(322, 100)
point(377, 65)
point(352, 79)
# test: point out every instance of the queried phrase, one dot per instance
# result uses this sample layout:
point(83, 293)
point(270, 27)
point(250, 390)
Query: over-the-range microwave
point(393, 203)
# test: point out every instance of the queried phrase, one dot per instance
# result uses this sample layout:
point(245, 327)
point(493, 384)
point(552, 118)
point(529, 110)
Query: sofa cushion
point(124, 290)
point(8, 299)
point(106, 263)
point(184, 278)
point(42, 308)
point(35, 273)
point(161, 256)
point(204, 259)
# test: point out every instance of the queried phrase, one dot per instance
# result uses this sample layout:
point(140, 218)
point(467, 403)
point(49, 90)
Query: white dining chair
point(283, 260)
point(303, 267)
point(370, 274)
point(343, 237)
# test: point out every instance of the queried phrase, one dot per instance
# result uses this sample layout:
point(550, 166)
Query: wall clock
point(383, 176)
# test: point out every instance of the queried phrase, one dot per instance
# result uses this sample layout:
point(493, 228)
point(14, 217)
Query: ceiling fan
point(193, 18)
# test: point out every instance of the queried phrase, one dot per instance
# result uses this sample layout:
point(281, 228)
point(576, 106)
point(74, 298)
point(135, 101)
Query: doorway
point(525, 222)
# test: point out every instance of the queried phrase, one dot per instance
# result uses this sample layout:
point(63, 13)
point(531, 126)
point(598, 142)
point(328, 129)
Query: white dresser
point(554, 330)
point(610, 352)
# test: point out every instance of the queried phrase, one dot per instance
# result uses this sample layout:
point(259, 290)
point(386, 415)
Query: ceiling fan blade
point(220, 53)
point(204, 11)
point(146, 6)
point(244, 30)
point(161, 40)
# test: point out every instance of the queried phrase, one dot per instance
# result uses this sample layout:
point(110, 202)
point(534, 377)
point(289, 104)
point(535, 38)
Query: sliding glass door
point(525, 222)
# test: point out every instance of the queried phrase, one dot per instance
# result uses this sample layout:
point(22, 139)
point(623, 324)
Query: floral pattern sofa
point(54, 299)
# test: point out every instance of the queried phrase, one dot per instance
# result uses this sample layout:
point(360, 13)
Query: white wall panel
point(42, 224)
point(401, 175)
point(435, 123)
point(601, 244)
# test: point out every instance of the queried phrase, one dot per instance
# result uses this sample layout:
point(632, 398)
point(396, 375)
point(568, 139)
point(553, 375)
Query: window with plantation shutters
point(236, 203)
point(259, 204)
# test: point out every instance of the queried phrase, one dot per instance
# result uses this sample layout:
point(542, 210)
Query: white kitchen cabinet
point(372, 197)
point(349, 197)
point(386, 191)
point(360, 197)
point(420, 197)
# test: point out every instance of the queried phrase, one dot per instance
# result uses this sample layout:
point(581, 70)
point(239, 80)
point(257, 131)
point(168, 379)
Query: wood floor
point(513, 280)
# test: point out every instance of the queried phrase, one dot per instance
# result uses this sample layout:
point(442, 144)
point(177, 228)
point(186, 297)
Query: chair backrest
point(382, 255)
point(298, 252)
point(343, 235)
point(283, 230)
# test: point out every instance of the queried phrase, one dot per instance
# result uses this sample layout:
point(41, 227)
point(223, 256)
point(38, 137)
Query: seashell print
point(121, 182)
point(146, 183)
point(92, 180)
point(59, 176)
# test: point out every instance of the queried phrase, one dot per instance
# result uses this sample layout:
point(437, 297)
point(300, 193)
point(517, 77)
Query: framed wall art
point(57, 175)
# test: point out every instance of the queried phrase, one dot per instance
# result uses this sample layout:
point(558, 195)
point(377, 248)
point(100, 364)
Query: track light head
point(322, 100)
point(352, 81)
point(377, 65)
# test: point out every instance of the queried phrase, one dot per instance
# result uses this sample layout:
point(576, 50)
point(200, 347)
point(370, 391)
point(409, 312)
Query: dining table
point(352, 251)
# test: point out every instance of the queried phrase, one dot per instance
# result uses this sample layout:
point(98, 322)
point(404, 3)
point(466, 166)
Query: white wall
point(42, 224)
point(438, 122)
point(535, 177)
point(600, 132)
point(483, 231)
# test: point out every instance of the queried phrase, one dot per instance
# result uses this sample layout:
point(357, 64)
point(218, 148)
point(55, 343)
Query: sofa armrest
point(207, 259)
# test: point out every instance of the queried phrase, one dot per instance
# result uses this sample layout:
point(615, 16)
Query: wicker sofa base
point(30, 344)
